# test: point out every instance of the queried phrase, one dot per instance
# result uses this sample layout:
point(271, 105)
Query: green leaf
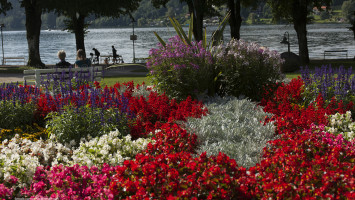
point(177, 30)
point(191, 26)
point(160, 40)
point(219, 30)
point(187, 41)
point(204, 39)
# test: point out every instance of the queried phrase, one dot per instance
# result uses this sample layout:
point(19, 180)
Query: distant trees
point(296, 12)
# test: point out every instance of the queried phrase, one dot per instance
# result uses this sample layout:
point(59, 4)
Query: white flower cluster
point(20, 157)
point(109, 149)
point(341, 124)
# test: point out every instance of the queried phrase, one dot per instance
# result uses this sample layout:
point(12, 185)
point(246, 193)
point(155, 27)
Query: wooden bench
point(35, 76)
point(14, 59)
point(336, 53)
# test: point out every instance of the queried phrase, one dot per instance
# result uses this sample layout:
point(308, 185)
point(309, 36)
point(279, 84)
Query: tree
point(199, 9)
point(33, 11)
point(348, 9)
point(235, 19)
point(296, 12)
point(77, 11)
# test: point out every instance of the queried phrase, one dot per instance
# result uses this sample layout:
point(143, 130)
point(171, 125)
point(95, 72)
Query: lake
point(320, 37)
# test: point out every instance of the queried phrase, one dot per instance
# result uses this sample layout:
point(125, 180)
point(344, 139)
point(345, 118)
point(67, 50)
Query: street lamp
point(133, 38)
point(286, 40)
point(2, 43)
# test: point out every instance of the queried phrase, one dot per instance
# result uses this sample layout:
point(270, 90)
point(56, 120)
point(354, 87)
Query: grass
point(110, 81)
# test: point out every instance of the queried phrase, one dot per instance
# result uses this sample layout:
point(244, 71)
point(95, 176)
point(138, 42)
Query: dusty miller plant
point(235, 127)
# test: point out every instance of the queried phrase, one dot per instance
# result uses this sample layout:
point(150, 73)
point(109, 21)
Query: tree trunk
point(235, 20)
point(33, 13)
point(300, 25)
point(79, 30)
point(196, 8)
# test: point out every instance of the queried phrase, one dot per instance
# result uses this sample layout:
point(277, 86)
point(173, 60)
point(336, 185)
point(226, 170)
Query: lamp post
point(2, 43)
point(286, 40)
point(133, 38)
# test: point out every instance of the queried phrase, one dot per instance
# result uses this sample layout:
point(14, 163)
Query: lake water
point(320, 37)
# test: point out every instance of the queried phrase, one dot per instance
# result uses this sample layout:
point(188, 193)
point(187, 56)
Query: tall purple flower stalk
point(338, 83)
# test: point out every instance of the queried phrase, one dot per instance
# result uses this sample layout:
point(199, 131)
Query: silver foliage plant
point(235, 127)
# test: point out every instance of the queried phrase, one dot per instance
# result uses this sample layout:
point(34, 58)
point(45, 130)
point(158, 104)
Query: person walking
point(63, 63)
point(114, 55)
point(97, 54)
point(81, 60)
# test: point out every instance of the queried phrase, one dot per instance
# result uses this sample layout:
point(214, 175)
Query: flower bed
point(308, 146)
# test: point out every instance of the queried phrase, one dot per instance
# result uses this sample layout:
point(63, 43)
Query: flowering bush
point(234, 127)
point(181, 70)
point(245, 68)
point(108, 148)
point(77, 123)
point(341, 124)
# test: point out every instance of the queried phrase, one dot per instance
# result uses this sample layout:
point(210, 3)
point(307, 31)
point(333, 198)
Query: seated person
point(62, 63)
point(81, 60)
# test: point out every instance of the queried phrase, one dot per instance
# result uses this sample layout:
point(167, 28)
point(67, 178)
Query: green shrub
point(234, 127)
point(245, 68)
point(14, 114)
point(77, 123)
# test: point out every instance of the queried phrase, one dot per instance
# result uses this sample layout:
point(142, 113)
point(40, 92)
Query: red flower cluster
point(291, 114)
point(170, 138)
point(178, 176)
point(159, 108)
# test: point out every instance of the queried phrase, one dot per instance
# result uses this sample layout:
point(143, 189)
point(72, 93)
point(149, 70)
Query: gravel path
point(8, 78)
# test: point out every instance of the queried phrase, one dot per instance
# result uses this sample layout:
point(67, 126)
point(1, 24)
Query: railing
point(336, 53)
point(14, 59)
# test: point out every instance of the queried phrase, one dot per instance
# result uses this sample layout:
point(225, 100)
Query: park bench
point(14, 59)
point(36, 76)
point(336, 53)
